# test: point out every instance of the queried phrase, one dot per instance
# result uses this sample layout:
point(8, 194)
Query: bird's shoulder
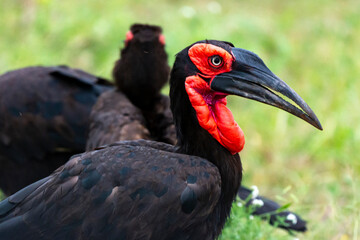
point(160, 162)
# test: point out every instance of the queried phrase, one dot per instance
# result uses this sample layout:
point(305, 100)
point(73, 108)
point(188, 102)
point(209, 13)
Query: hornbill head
point(143, 33)
point(214, 69)
point(142, 69)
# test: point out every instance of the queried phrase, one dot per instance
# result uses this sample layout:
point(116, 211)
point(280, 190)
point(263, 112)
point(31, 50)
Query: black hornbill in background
point(44, 119)
point(45, 111)
point(150, 190)
point(135, 109)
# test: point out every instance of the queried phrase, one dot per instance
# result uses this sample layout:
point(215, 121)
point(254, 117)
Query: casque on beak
point(250, 78)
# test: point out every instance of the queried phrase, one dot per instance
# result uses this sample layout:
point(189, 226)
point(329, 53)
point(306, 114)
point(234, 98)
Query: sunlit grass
point(312, 45)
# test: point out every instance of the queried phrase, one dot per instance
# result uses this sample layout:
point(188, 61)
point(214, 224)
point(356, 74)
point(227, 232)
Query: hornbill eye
point(216, 61)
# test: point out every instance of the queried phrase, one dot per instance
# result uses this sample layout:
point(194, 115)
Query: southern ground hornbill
point(44, 119)
point(151, 190)
point(137, 110)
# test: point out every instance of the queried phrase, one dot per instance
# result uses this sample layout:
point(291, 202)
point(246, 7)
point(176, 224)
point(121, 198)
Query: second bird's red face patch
point(129, 36)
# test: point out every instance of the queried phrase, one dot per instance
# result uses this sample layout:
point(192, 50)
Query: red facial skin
point(210, 106)
point(162, 39)
point(129, 37)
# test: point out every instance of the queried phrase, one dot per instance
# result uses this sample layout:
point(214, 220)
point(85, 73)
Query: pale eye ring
point(216, 61)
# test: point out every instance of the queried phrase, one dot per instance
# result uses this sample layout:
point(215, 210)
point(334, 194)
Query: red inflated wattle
point(213, 115)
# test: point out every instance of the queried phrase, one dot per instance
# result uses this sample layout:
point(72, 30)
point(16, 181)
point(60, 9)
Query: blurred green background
point(313, 45)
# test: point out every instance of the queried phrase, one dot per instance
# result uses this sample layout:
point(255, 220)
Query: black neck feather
point(150, 71)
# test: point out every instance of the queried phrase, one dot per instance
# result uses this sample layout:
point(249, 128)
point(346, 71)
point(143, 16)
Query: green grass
point(243, 225)
point(313, 45)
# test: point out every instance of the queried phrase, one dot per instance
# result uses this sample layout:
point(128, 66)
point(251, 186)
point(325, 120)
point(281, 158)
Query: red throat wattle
point(213, 115)
point(210, 106)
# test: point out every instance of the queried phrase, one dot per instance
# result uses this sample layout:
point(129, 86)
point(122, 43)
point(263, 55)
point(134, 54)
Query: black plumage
point(114, 117)
point(145, 52)
point(144, 189)
point(85, 199)
point(45, 111)
point(38, 128)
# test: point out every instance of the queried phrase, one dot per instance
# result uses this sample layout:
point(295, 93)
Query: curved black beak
point(250, 78)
